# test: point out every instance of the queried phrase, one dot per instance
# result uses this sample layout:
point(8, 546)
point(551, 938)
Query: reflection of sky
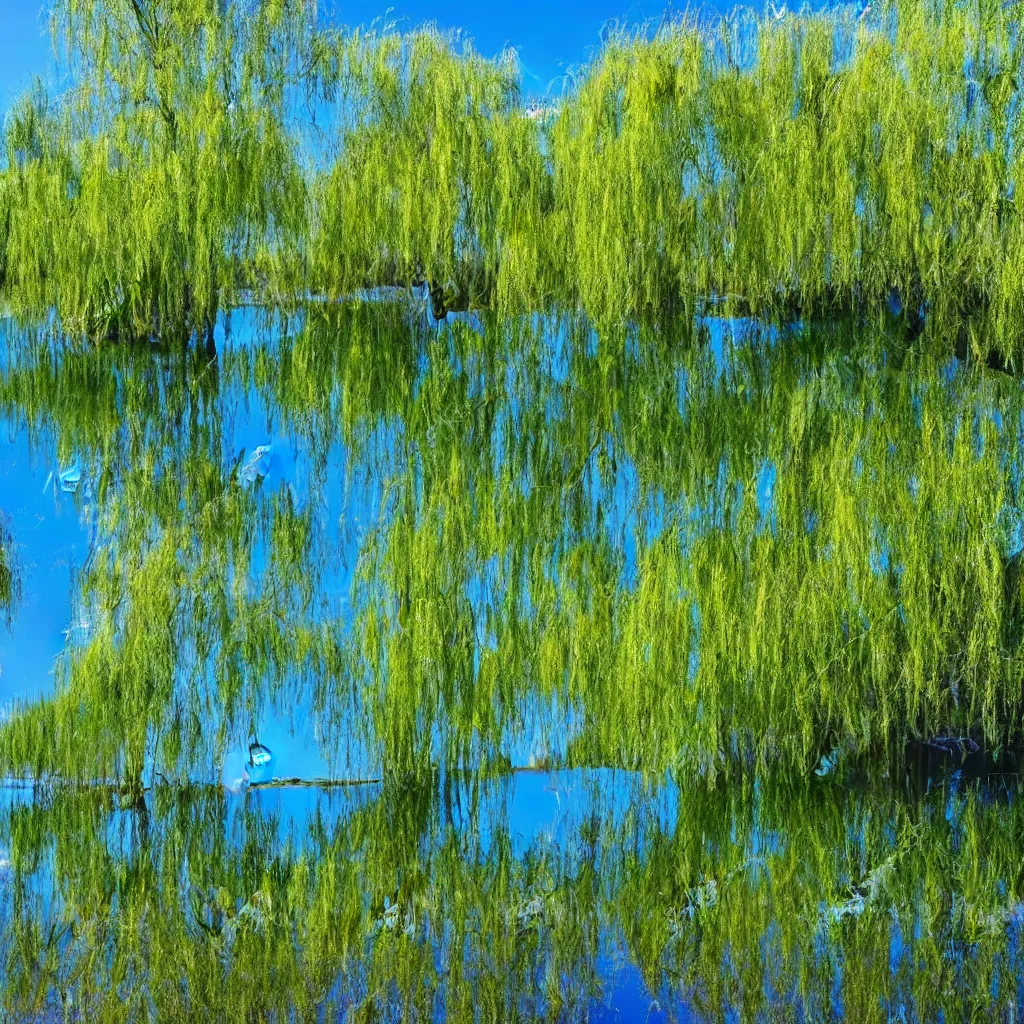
point(52, 543)
point(51, 532)
point(254, 423)
point(610, 820)
point(344, 500)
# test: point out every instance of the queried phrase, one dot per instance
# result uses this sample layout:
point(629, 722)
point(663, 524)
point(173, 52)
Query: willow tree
point(438, 178)
point(784, 166)
point(168, 173)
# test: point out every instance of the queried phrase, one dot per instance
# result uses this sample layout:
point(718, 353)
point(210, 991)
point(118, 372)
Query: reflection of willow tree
point(611, 543)
point(384, 907)
point(811, 162)
point(200, 590)
point(831, 905)
point(598, 539)
point(381, 914)
point(10, 576)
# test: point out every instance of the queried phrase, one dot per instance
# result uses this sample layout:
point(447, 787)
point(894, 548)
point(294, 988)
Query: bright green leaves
point(210, 151)
point(167, 168)
point(10, 571)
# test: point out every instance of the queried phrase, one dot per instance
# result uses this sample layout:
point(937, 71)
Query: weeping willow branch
point(781, 167)
point(10, 576)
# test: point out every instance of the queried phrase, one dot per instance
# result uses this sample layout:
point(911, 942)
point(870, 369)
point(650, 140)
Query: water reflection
point(10, 573)
point(525, 543)
point(413, 559)
point(575, 895)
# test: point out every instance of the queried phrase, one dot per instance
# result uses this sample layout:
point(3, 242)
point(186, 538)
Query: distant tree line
point(209, 151)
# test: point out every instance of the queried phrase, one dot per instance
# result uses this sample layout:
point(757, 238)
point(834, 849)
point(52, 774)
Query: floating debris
point(69, 479)
point(392, 919)
point(261, 764)
point(852, 907)
point(954, 745)
point(258, 465)
point(699, 898)
point(530, 912)
point(866, 892)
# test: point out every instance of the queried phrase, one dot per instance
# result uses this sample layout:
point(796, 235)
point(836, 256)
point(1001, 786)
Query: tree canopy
point(209, 150)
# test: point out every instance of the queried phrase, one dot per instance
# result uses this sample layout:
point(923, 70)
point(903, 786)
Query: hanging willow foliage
point(617, 547)
point(810, 161)
point(10, 576)
point(132, 205)
point(420, 903)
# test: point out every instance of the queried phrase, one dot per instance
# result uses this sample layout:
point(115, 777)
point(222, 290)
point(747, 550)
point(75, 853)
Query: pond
point(365, 666)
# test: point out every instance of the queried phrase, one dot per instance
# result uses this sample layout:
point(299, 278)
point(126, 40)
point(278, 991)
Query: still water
point(372, 668)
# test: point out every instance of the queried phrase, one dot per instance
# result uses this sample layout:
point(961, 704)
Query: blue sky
point(24, 48)
point(549, 34)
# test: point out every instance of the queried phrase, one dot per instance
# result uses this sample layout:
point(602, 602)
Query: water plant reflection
point(10, 574)
point(598, 544)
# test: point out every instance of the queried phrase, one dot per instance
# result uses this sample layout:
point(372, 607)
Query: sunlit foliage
point(706, 549)
point(134, 205)
point(807, 162)
point(10, 574)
